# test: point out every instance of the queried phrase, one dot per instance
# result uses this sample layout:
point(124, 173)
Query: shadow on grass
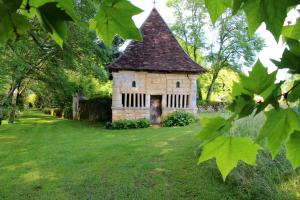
point(50, 158)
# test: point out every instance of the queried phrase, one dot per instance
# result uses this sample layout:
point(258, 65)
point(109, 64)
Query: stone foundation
point(138, 113)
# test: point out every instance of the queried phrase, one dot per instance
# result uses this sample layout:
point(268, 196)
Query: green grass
point(42, 157)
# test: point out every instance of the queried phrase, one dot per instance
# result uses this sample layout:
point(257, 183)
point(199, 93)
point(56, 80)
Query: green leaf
point(236, 6)
point(294, 46)
point(254, 15)
point(54, 20)
point(293, 149)
point(289, 60)
point(11, 5)
point(294, 95)
point(259, 82)
point(242, 105)
point(279, 125)
point(228, 151)
point(273, 13)
point(212, 128)
point(115, 17)
point(53, 15)
point(12, 24)
point(292, 31)
point(66, 5)
point(217, 7)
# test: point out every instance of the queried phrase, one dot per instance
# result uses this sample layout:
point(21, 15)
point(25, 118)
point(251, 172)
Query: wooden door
point(155, 109)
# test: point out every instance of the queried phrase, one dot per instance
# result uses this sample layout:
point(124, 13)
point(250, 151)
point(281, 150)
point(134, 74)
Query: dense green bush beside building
point(128, 124)
point(178, 119)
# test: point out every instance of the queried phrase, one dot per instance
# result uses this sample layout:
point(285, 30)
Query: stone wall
point(152, 84)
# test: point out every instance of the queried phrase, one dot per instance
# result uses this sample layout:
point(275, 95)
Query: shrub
point(143, 123)
point(128, 124)
point(178, 118)
point(47, 111)
point(57, 112)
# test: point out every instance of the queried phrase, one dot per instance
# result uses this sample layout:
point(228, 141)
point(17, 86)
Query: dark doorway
point(155, 109)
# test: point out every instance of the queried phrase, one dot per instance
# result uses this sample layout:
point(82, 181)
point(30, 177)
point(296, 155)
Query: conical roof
point(159, 51)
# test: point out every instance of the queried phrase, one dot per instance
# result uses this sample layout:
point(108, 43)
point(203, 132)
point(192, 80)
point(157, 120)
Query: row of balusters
point(138, 100)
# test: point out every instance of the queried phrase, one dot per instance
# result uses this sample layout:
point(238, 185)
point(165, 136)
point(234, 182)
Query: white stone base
point(138, 113)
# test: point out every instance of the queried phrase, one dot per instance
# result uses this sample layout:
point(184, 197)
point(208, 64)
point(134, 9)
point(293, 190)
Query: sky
point(272, 50)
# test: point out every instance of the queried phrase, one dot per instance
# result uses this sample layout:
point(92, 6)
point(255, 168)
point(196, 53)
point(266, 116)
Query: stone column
point(193, 92)
point(164, 101)
point(148, 100)
point(186, 101)
point(116, 95)
point(75, 106)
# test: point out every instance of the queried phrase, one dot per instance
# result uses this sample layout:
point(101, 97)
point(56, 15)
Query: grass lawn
point(42, 157)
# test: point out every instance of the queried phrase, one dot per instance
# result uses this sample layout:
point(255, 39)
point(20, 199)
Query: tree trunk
point(12, 113)
point(195, 53)
point(200, 97)
point(211, 86)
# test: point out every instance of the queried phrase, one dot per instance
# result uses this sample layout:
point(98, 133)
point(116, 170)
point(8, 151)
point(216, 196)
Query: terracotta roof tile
point(159, 51)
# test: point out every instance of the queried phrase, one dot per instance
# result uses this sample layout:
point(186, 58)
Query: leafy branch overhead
point(259, 92)
point(272, 13)
point(114, 17)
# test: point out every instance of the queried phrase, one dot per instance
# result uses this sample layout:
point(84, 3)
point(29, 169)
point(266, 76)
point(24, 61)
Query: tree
point(258, 92)
point(109, 17)
point(35, 62)
point(233, 47)
point(188, 27)
point(223, 84)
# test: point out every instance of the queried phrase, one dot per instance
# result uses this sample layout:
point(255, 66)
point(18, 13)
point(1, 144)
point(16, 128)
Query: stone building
point(153, 77)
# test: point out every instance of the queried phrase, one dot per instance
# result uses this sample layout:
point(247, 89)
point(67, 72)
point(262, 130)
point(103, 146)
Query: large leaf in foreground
point(228, 151)
point(292, 31)
point(271, 12)
point(290, 61)
point(115, 17)
point(212, 128)
point(279, 125)
point(54, 19)
point(259, 82)
point(12, 24)
point(216, 8)
point(294, 95)
point(293, 149)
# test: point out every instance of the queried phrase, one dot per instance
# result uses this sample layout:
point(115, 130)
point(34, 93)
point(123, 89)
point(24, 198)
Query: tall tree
point(232, 48)
point(35, 58)
point(188, 27)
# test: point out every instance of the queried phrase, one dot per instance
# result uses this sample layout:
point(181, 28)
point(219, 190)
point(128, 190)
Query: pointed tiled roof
point(159, 51)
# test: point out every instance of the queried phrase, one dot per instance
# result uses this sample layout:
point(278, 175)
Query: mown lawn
point(42, 157)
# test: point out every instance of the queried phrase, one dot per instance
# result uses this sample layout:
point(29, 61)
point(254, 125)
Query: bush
point(47, 111)
point(128, 124)
point(143, 123)
point(57, 112)
point(178, 118)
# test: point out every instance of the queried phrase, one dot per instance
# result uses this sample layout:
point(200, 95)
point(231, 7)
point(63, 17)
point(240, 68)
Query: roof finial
point(154, 2)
